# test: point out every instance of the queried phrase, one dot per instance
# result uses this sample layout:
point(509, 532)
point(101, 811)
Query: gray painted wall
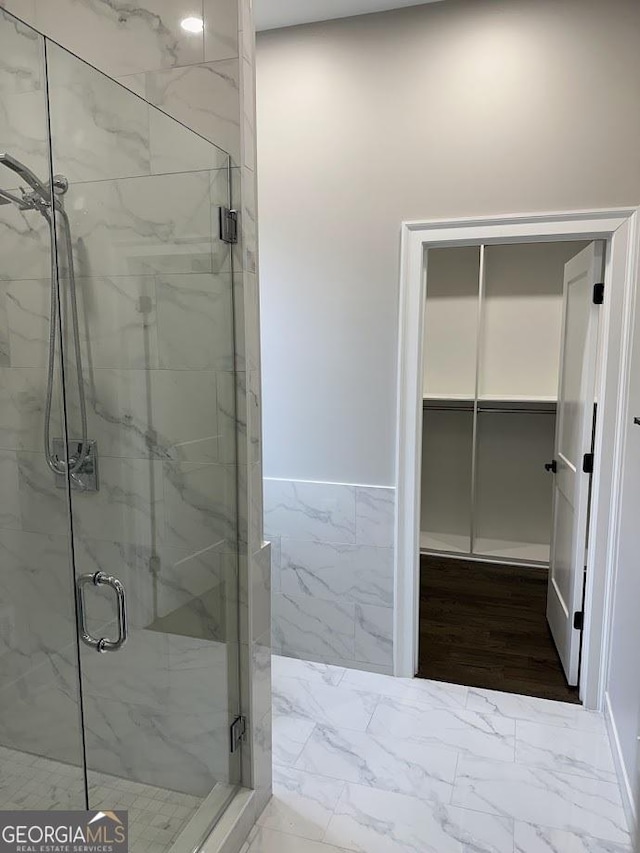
point(448, 109)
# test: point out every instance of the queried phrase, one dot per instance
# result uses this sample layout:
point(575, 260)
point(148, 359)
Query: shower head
point(27, 175)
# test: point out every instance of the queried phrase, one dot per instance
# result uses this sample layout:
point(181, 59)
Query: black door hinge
point(598, 293)
point(551, 466)
point(228, 225)
point(587, 463)
point(578, 620)
point(238, 733)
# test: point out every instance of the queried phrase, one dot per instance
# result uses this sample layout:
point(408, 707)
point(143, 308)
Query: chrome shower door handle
point(104, 644)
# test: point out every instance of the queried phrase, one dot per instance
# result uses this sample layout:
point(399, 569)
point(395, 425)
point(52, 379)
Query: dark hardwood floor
point(484, 625)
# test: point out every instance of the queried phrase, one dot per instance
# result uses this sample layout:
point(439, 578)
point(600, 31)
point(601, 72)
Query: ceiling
point(270, 14)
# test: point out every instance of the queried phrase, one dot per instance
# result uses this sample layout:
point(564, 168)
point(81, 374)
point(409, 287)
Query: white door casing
point(619, 228)
point(574, 427)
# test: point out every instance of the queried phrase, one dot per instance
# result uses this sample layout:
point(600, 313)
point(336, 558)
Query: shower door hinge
point(228, 225)
point(238, 732)
point(598, 293)
point(587, 463)
point(578, 620)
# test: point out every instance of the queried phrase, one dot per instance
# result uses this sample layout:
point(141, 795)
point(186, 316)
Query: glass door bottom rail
point(156, 815)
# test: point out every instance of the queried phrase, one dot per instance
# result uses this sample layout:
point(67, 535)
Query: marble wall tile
point(262, 680)
point(358, 573)
point(22, 408)
point(276, 552)
point(185, 752)
point(43, 507)
point(23, 9)
point(332, 539)
point(247, 73)
point(28, 317)
point(199, 504)
point(20, 47)
point(375, 516)
point(5, 350)
point(24, 237)
point(220, 30)
point(118, 321)
point(382, 822)
point(374, 634)
point(321, 512)
point(110, 137)
point(143, 225)
point(10, 516)
point(128, 507)
point(175, 148)
point(122, 38)
point(40, 712)
point(320, 630)
point(204, 97)
point(195, 322)
point(556, 800)
point(161, 414)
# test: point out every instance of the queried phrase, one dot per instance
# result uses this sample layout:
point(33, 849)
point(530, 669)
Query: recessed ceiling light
point(192, 25)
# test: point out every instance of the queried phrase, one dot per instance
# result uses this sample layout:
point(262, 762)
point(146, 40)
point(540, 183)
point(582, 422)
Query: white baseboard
point(623, 777)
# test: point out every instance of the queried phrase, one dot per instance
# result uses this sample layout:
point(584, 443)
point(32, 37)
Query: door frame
point(620, 228)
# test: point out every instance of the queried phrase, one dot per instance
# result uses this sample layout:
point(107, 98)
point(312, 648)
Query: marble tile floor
point(375, 764)
point(156, 815)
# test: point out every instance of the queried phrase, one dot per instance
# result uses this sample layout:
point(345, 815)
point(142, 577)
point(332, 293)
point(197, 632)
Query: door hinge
point(228, 225)
point(552, 466)
point(578, 620)
point(238, 732)
point(598, 293)
point(587, 463)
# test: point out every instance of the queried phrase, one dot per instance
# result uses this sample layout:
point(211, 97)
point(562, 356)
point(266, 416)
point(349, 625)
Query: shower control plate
point(85, 479)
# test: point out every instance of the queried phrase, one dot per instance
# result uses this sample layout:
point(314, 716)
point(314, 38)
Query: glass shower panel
point(150, 402)
point(41, 759)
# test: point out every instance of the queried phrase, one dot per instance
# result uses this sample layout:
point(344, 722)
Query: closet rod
point(467, 408)
point(511, 411)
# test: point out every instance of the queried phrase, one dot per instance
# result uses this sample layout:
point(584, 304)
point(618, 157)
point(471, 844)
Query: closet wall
point(492, 344)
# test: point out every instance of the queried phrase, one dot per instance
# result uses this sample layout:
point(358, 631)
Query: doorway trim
point(619, 227)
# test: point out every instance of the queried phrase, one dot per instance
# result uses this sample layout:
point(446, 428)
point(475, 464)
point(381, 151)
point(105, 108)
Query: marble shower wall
point(194, 77)
point(206, 81)
point(332, 572)
point(155, 292)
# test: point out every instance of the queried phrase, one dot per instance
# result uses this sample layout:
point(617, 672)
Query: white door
point(576, 396)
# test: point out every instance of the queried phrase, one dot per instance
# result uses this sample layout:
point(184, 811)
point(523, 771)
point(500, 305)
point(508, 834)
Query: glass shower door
point(146, 286)
point(41, 755)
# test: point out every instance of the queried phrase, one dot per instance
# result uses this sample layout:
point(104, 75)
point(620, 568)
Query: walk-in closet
point(493, 331)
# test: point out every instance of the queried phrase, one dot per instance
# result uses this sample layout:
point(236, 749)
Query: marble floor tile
point(537, 839)
point(290, 734)
point(547, 798)
point(433, 694)
point(584, 753)
point(481, 735)
point(388, 763)
point(376, 821)
point(307, 670)
point(302, 803)
point(271, 841)
point(321, 703)
point(532, 708)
